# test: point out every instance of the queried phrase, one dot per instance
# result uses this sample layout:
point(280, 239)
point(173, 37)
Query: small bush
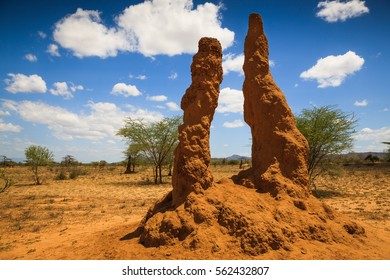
point(61, 176)
point(74, 173)
point(7, 182)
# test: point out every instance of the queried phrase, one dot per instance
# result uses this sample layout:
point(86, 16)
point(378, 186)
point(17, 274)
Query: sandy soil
point(93, 216)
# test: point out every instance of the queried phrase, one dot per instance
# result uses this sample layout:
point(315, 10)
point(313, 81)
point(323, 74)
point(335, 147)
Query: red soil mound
point(230, 217)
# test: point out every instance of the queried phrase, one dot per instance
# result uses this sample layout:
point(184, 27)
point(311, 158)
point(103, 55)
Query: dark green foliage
point(329, 132)
point(61, 175)
point(74, 173)
point(68, 161)
point(38, 156)
point(157, 140)
point(233, 162)
point(372, 158)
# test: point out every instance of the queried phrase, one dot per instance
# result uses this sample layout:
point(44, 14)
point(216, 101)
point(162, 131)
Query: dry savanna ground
point(85, 218)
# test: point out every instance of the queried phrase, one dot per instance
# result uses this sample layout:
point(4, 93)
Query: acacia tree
point(157, 139)
point(5, 161)
point(69, 160)
point(328, 131)
point(38, 156)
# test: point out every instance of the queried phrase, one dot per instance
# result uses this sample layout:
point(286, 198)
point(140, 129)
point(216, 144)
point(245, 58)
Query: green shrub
point(61, 176)
point(7, 181)
point(74, 173)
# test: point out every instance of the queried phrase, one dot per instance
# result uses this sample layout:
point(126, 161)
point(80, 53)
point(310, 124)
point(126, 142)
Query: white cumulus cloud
point(125, 90)
point(62, 89)
point(233, 124)
point(333, 11)
point(23, 83)
point(370, 139)
point(85, 35)
point(155, 27)
point(52, 49)
point(172, 106)
point(157, 98)
point(138, 77)
point(103, 119)
point(233, 63)
point(332, 70)
point(173, 76)
point(30, 57)
point(9, 127)
point(173, 27)
point(230, 101)
point(362, 103)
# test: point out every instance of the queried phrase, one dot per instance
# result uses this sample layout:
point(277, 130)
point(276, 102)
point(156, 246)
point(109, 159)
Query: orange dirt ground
point(93, 216)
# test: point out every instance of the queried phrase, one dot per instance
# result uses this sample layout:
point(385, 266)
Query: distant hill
point(234, 157)
point(362, 155)
point(238, 157)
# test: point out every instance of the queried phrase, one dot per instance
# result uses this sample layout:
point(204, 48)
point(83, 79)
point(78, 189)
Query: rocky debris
point(279, 150)
point(192, 156)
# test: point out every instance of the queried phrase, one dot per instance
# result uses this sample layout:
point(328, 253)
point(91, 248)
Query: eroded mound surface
point(230, 217)
point(265, 208)
point(279, 150)
point(192, 155)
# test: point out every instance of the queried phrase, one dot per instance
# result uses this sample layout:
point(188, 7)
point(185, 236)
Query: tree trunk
point(37, 180)
point(156, 175)
point(160, 173)
point(133, 168)
point(128, 165)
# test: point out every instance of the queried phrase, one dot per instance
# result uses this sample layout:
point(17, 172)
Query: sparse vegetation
point(69, 161)
point(102, 164)
point(7, 181)
point(74, 173)
point(37, 156)
point(156, 139)
point(372, 158)
point(329, 132)
point(6, 162)
point(61, 175)
point(102, 198)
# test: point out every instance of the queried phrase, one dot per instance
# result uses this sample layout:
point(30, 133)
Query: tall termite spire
point(279, 150)
point(192, 155)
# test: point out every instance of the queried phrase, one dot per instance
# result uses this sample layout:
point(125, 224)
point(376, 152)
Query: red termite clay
point(279, 150)
point(192, 156)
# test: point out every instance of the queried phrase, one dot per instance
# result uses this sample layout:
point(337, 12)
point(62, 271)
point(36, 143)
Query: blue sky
point(72, 71)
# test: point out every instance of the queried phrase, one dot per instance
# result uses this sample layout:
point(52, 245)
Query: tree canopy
point(157, 140)
point(329, 131)
point(38, 156)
